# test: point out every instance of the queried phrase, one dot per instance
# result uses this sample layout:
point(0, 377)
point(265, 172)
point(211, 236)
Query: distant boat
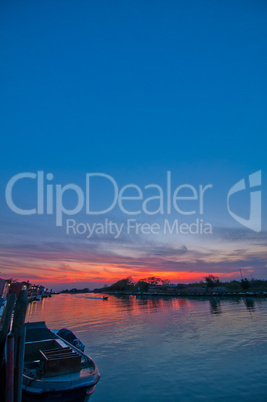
point(54, 369)
point(105, 297)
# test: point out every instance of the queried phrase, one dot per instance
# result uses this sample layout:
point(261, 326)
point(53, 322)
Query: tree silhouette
point(212, 281)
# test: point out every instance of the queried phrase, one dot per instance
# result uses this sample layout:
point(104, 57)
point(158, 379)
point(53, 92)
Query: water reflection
point(215, 306)
point(118, 307)
point(249, 303)
point(137, 340)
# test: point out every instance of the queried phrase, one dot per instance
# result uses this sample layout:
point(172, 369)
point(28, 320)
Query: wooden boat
point(54, 369)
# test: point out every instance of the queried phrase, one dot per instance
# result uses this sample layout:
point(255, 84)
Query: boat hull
point(68, 395)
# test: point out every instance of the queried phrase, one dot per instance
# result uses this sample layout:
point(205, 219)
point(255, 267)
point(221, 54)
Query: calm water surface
point(167, 349)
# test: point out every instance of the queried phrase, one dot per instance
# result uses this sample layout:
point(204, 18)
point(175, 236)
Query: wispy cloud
point(54, 257)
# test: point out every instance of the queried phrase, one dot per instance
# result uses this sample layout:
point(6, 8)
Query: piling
point(6, 322)
point(18, 329)
point(10, 368)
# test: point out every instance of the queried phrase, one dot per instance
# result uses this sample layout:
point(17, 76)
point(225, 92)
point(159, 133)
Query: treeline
point(210, 282)
point(74, 290)
point(128, 285)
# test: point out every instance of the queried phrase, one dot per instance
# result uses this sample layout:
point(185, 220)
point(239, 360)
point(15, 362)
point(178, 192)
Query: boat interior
point(46, 355)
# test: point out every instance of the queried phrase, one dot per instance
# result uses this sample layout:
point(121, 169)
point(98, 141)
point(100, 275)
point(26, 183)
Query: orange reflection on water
point(89, 312)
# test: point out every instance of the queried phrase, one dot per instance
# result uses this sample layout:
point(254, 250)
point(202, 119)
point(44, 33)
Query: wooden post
point(18, 329)
point(6, 320)
point(19, 365)
point(10, 368)
point(19, 316)
point(4, 330)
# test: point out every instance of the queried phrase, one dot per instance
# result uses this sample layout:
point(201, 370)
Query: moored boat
point(54, 369)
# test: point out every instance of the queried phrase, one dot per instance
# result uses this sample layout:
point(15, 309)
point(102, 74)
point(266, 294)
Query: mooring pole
point(10, 368)
point(19, 364)
point(4, 330)
point(18, 329)
point(6, 322)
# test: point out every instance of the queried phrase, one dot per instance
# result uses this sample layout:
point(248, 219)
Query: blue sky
point(132, 89)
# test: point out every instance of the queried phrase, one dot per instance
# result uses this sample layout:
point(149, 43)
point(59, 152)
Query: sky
point(112, 100)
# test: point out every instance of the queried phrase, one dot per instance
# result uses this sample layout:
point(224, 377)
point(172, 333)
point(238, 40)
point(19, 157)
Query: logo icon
point(254, 221)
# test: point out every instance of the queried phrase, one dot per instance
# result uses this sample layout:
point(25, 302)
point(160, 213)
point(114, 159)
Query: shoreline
point(180, 294)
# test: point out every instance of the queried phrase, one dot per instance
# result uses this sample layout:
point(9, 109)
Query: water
point(167, 349)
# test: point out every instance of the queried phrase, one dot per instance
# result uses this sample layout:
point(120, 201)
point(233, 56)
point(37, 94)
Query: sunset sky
point(132, 90)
